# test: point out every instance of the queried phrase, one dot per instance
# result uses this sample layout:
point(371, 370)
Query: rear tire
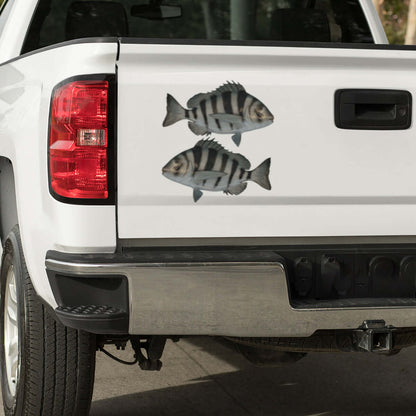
point(47, 369)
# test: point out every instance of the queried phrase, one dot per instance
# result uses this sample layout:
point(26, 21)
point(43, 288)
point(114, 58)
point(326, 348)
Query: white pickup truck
point(234, 168)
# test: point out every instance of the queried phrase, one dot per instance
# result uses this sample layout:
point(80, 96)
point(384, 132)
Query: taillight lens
point(79, 140)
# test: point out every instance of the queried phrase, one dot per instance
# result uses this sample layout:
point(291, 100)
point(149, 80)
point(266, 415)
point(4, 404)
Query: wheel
point(46, 368)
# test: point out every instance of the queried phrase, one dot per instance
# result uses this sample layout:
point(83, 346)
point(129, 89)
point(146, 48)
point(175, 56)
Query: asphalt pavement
point(202, 377)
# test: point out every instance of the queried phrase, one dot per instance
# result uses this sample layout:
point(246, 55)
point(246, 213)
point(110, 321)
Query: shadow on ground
point(320, 384)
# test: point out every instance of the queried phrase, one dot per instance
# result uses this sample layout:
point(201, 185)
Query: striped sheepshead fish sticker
point(227, 110)
point(210, 167)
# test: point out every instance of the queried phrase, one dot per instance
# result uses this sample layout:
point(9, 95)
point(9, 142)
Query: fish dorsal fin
point(210, 144)
point(196, 99)
point(230, 86)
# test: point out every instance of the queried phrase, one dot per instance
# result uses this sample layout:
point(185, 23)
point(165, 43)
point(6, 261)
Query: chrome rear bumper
point(241, 299)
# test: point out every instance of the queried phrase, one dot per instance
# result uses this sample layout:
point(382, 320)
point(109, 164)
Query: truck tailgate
point(325, 181)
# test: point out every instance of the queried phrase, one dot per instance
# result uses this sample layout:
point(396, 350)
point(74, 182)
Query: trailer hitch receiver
point(374, 336)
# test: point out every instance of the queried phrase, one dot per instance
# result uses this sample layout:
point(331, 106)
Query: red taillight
point(79, 140)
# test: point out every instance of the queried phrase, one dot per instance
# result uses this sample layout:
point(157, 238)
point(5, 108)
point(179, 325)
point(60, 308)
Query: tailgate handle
point(373, 109)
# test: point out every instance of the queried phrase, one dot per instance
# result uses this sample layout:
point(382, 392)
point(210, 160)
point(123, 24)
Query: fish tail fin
point(260, 175)
point(175, 112)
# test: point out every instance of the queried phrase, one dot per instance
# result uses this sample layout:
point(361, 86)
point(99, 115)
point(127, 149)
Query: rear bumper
point(240, 294)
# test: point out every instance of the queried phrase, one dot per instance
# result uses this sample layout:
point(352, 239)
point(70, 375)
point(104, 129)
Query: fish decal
point(227, 110)
point(210, 167)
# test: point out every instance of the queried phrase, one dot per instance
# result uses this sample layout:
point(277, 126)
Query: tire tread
point(59, 362)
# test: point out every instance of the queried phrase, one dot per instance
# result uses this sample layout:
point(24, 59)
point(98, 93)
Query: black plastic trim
point(112, 145)
point(354, 303)
point(213, 42)
point(171, 255)
point(73, 292)
point(233, 253)
point(373, 109)
point(137, 244)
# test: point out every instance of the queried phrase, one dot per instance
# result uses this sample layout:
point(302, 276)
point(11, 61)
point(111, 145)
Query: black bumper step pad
point(99, 319)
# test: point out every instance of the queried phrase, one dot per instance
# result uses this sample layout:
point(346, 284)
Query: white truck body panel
point(45, 223)
point(325, 181)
